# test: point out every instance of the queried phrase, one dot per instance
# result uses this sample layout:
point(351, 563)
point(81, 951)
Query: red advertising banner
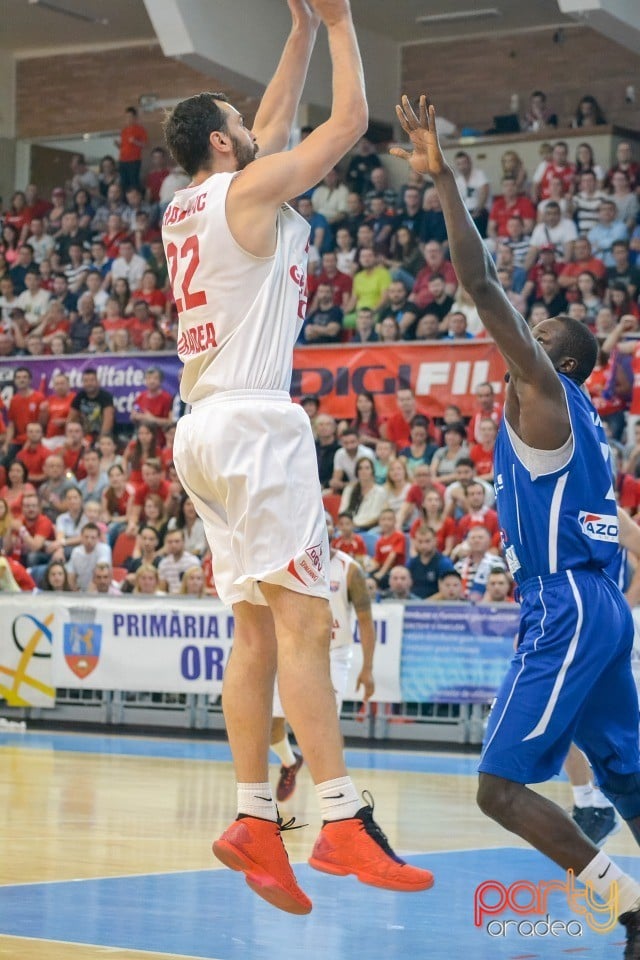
point(438, 373)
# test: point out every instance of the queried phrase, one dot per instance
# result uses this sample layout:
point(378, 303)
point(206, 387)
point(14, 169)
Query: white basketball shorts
point(247, 460)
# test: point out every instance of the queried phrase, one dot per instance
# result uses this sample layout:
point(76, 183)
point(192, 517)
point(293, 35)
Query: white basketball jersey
point(239, 315)
point(342, 632)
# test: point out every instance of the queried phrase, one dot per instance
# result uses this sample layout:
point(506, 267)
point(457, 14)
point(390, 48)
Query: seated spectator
point(154, 514)
point(397, 427)
point(128, 264)
point(625, 199)
point(149, 292)
point(34, 345)
point(324, 324)
point(96, 481)
point(440, 302)
point(23, 263)
point(455, 497)
point(435, 263)
point(340, 283)
point(83, 324)
point(586, 202)
point(589, 113)
point(72, 449)
point(116, 497)
point(142, 447)
point(55, 408)
point(388, 330)
point(625, 163)
point(420, 449)
point(477, 513)
point(33, 299)
point(443, 464)
point(363, 498)
point(498, 589)
point(187, 520)
point(40, 242)
point(355, 217)
point(434, 227)
point(482, 452)
point(427, 328)
point(474, 189)
point(405, 259)
point(397, 307)
point(34, 454)
point(622, 270)
point(363, 161)
point(53, 490)
point(557, 194)
point(55, 323)
point(24, 408)
point(76, 269)
point(365, 422)
point(365, 331)
point(55, 578)
point(450, 589)
point(621, 303)
point(69, 524)
point(429, 565)
point(583, 260)
point(585, 161)
point(559, 166)
point(605, 233)
point(329, 199)
point(103, 581)
point(33, 538)
point(347, 540)
point(346, 252)
point(513, 167)
point(381, 223)
point(397, 484)
point(400, 585)
point(385, 453)
point(346, 459)
point(532, 290)
point(156, 175)
point(455, 325)
point(93, 407)
point(370, 283)
point(193, 582)
point(175, 563)
point(510, 203)
point(477, 563)
point(422, 484)
point(433, 515)
point(320, 232)
point(380, 188)
point(539, 116)
point(326, 447)
point(147, 582)
point(554, 230)
point(390, 549)
point(551, 295)
point(589, 299)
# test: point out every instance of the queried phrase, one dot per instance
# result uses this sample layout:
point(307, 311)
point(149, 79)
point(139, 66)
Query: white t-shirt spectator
point(82, 564)
point(170, 570)
point(563, 233)
point(131, 271)
point(342, 460)
point(34, 305)
point(469, 188)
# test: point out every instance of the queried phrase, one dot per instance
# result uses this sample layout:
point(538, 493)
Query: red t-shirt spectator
point(395, 543)
point(73, 461)
point(421, 295)
point(130, 138)
point(481, 518)
point(483, 460)
point(40, 527)
point(447, 529)
point(110, 324)
point(566, 174)
point(159, 405)
point(398, 430)
point(112, 243)
point(138, 329)
point(155, 298)
point(592, 265)
point(355, 547)
point(143, 490)
point(22, 411)
point(155, 179)
point(629, 489)
point(340, 284)
point(58, 408)
point(500, 212)
point(34, 461)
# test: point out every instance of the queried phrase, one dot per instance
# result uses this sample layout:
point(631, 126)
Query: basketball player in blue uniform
point(570, 678)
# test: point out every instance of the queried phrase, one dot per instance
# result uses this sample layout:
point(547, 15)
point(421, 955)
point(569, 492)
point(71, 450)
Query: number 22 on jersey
point(185, 260)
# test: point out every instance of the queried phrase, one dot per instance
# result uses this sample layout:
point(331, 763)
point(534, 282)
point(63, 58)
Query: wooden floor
point(94, 811)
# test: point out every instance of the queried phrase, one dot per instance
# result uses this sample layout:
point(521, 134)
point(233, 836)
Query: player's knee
point(623, 790)
point(495, 796)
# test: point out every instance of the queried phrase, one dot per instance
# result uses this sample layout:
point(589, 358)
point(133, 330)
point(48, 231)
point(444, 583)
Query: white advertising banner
point(26, 644)
point(178, 645)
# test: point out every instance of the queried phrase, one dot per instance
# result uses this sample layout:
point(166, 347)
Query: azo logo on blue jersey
point(599, 526)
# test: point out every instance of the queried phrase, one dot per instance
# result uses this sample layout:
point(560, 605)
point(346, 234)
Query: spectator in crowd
point(422, 484)
point(405, 259)
point(486, 405)
point(175, 563)
point(34, 454)
point(434, 228)
point(474, 188)
point(482, 452)
point(412, 217)
point(389, 330)
point(381, 223)
point(40, 242)
point(589, 113)
point(435, 264)
point(23, 263)
point(193, 583)
point(622, 269)
point(427, 327)
point(397, 484)
point(156, 175)
point(397, 427)
point(626, 164)
point(346, 459)
point(187, 520)
point(330, 198)
point(77, 268)
point(450, 589)
point(24, 408)
point(419, 449)
point(147, 582)
point(153, 406)
point(346, 252)
point(69, 524)
point(340, 283)
point(510, 203)
point(498, 588)
point(551, 294)
point(454, 326)
point(585, 161)
point(145, 553)
point(82, 177)
point(321, 234)
point(455, 496)
point(607, 230)
point(621, 303)
point(385, 453)
point(96, 481)
point(348, 540)
point(363, 161)
point(55, 578)
point(53, 490)
point(389, 551)
point(365, 331)
point(33, 534)
point(130, 144)
point(400, 585)
point(370, 283)
point(443, 465)
point(432, 514)
point(363, 498)
point(366, 422)
point(428, 566)
point(539, 116)
point(70, 232)
point(33, 299)
point(324, 323)
point(477, 512)
point(586, 202)
point(355, 217)
point(558, 167)
point(84, 558)
point(380, 188)
point(477, 562)
point(60, 292)
point(93, 407)
point(554, 230)
point(128, 264)
point(625, 199)
point(327, 447)
point(103, 581)
point(583, 261)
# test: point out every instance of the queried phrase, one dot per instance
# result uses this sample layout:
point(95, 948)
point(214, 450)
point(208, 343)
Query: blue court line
point(213, 915)
point(104, 743)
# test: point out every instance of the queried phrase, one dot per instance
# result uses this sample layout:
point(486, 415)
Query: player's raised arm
point(279, 177)
point(279, 105)
point(471, 260)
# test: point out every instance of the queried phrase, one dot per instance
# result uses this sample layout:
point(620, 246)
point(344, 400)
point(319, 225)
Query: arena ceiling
point(30, 27)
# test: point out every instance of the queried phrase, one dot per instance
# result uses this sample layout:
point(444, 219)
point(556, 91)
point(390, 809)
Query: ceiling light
point(475, 14)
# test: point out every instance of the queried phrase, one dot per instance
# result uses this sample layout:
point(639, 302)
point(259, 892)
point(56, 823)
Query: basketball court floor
point(105, 852)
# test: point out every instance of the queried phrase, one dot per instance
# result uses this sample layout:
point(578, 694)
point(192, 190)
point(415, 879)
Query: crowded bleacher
point(90, 503)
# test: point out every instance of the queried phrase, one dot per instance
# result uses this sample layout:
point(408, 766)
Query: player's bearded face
point(243, 151)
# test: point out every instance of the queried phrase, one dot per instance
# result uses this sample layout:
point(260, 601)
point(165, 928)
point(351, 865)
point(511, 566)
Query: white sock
point(602, 873)
point(583, 795)
point(599, 799)
point(283, 751)
point(338, 798)
point(256, 800)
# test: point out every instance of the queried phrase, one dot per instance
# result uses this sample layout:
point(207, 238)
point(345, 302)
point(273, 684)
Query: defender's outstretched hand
point(427, 157)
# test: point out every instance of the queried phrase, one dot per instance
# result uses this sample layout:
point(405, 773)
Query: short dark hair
point(465, 462)
point(188, 127)
point(90, 526)
point(581, 345)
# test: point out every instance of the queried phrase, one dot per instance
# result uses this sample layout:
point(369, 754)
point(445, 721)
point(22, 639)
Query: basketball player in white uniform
point(245, 454)
point(348, 593)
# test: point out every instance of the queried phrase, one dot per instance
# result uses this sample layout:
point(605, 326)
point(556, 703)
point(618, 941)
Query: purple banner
point(120, 374)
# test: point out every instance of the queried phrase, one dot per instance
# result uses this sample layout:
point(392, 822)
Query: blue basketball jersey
point(563, 520)
point(619, 569)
